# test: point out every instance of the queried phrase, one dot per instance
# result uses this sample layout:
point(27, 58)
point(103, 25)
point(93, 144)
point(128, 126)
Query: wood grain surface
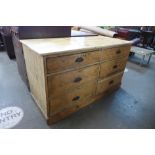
point(108, 83)
point(71, 98)
point(57, 84)
point(36, 76)
point(57, 64)
point(62, 46)
point(109, 68)
point(115, 53)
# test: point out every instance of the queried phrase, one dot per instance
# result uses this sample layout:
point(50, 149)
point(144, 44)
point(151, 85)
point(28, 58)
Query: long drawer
point(115, 53)
point(108, 83)
point(111, 67)
point(72, 98)
point(59, 83)
point(61, 63)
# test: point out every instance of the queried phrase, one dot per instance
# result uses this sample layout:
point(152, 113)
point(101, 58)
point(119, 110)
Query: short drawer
point(70, 110)
point(115, 53)
point(111, 67)
point(61, 63)
point(59, 83)
point(72, 98)
point(106, 84)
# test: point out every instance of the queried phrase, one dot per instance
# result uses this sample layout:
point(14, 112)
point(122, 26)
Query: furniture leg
point(149, 59)
point(142, 61)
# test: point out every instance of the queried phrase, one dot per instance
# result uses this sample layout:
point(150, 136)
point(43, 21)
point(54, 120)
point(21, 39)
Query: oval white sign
point(10, 116)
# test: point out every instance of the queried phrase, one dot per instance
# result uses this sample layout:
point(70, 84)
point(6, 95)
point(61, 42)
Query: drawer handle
point(115, 66)
point(118, 51)
point(111, 82)
point(78, 79)
point(80, 59)
point(76, 98)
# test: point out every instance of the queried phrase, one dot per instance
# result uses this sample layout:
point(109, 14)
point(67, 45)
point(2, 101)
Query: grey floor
point(132, 106)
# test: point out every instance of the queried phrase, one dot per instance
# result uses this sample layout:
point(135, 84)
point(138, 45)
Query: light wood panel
point(109, 68)
point(61, 46)
point(107, 83)
point(60, 83)
point(72, 97)
point(57, 64)
point(36, 76)
point(115, 53)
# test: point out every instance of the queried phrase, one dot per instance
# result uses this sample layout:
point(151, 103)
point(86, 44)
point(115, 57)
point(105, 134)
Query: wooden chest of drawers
point(66, 74)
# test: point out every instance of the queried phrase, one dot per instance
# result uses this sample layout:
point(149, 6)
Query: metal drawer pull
point(115, 66)
point(111, 82)
point(118, 51)
point(80, 59)
point(78, 79)
point(76, 98)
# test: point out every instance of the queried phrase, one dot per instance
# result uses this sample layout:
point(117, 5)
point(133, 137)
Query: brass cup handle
point(80, 59)
point(118, 51)
point(76, 98)
point(115, 66)
point(78, 79)
point(111, 82)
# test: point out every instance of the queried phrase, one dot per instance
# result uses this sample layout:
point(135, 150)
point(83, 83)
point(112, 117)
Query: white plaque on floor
point(10, 116)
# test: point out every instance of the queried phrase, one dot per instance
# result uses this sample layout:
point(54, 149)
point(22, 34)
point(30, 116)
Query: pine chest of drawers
point(66, 74)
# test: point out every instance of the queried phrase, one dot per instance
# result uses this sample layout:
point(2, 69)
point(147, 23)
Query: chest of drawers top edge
point(55, 47)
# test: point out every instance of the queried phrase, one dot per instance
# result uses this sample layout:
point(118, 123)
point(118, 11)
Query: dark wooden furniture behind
point(147, 38)
point(1, 40)
point(7, 39)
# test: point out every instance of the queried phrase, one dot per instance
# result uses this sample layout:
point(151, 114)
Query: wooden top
point(141, 51)
point(52, 46)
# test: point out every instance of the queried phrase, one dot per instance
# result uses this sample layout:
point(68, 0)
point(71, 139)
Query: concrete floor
point(132, 106)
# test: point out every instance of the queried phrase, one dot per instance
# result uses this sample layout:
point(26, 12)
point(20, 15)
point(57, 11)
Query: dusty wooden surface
point(111, 67)
point(36, 76)
point(58, 64)
point(71, 44)
point(61, 83)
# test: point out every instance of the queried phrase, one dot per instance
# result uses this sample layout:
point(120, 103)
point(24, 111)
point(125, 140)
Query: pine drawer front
point(106, 84)
point(61, 63)
point(71, 109)
point(72, 98)
point(70, 80)
point(109, 68)
point(115, 53)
